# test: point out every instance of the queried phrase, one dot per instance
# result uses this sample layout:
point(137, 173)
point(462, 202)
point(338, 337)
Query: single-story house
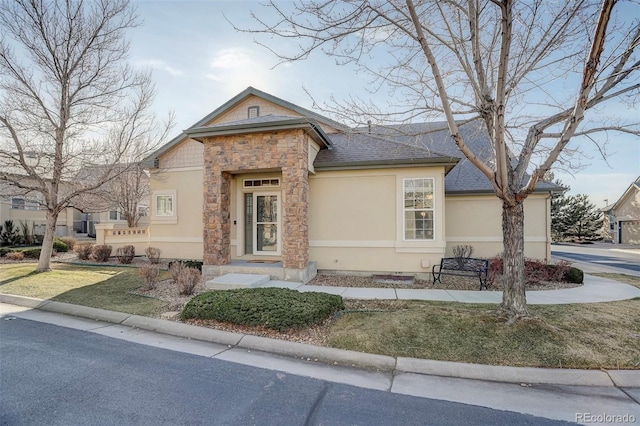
point(262, 180)
point(622, 219)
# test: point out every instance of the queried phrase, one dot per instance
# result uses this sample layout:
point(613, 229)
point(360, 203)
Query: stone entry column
point(217, 217)
point(284, 150)
point(295, 220)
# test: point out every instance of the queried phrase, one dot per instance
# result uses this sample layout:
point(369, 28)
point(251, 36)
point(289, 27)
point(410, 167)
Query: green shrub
point(101, 252)
point(59, 246)
point(69, 241)
point(32, 253)
point(4, 251)
point(195, 264)
point(84, 250)
point(574, 275)
point(276, 308)
point(125, 254)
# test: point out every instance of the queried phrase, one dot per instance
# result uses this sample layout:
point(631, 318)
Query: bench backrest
point(464, 264)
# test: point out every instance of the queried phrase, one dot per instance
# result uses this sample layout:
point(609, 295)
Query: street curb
point(84, 312)
point(522, 375)
point(180, 329)
point(320, 353)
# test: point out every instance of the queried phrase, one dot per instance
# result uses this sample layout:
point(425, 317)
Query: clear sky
point(199, 62)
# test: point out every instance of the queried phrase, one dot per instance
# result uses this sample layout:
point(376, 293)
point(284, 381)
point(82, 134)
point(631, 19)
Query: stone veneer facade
point(283, 150)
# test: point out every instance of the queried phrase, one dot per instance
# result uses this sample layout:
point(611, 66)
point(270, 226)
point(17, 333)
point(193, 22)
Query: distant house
point(263, 180)
point(21, 207)
point(622, 219)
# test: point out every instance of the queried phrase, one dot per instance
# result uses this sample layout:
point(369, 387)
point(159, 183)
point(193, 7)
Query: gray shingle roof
point(418, 143)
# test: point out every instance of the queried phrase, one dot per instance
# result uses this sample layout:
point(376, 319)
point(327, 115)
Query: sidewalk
point(594, 290)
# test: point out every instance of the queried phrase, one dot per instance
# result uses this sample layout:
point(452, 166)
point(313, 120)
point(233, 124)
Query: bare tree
point(530, 70)
point(69, 100)
point(128, 192)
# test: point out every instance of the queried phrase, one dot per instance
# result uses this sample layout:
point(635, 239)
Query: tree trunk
point(47, 243)
point(514, 300)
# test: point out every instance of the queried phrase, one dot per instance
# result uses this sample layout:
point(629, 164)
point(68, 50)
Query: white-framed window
point(165, 205)
point(143, 211)
point(418, 208)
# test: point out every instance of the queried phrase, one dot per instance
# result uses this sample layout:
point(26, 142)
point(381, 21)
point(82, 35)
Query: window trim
point(432, 210)
point(164, 218)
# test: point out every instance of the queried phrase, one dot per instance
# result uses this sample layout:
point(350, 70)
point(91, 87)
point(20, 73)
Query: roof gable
point(630, 191)
point(236, 109)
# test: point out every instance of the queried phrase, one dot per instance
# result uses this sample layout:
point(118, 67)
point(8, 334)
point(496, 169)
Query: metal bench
point(462, 267)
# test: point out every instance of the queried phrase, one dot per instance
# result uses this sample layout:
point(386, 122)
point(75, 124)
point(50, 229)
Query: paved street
point(601, 257)
point(59, 376)
point(60, 369)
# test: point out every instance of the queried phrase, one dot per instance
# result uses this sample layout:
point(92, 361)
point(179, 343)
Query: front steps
point(231, 281)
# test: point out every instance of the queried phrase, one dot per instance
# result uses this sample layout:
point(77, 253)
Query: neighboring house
point(28, 208)
point(263, 180)
point(622, 219)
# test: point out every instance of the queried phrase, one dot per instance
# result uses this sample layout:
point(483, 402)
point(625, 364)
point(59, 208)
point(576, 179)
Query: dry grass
point(99, 287)
point(601, 335)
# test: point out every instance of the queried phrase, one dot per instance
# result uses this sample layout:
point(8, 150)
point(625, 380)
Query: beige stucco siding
point(356, 221)
point(477, 221)
point(178, 237)
point(629, 209)
point(348, 207)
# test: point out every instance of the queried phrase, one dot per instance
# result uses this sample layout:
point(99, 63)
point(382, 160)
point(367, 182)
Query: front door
point(266, 223)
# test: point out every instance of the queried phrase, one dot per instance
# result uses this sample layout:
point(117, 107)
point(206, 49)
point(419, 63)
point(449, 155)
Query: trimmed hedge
point(59, 246)
point(275, 308)
point(32, 253)
point(574, 275)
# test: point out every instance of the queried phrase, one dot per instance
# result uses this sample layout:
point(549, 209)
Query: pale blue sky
point(199, 62)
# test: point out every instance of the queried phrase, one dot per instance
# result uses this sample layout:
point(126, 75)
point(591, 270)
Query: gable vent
point(253, 111)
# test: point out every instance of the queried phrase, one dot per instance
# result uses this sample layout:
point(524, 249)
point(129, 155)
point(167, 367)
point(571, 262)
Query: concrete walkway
point(594, 290)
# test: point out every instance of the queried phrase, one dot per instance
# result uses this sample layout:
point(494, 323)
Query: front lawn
point(97, 287)
point(594, 335)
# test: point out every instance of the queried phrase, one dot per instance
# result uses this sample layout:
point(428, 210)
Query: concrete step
point(230, 281)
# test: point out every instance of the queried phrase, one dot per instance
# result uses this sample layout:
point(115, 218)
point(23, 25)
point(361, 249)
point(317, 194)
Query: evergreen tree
point(583, 218)
point(574, 217)
point(559, 201)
